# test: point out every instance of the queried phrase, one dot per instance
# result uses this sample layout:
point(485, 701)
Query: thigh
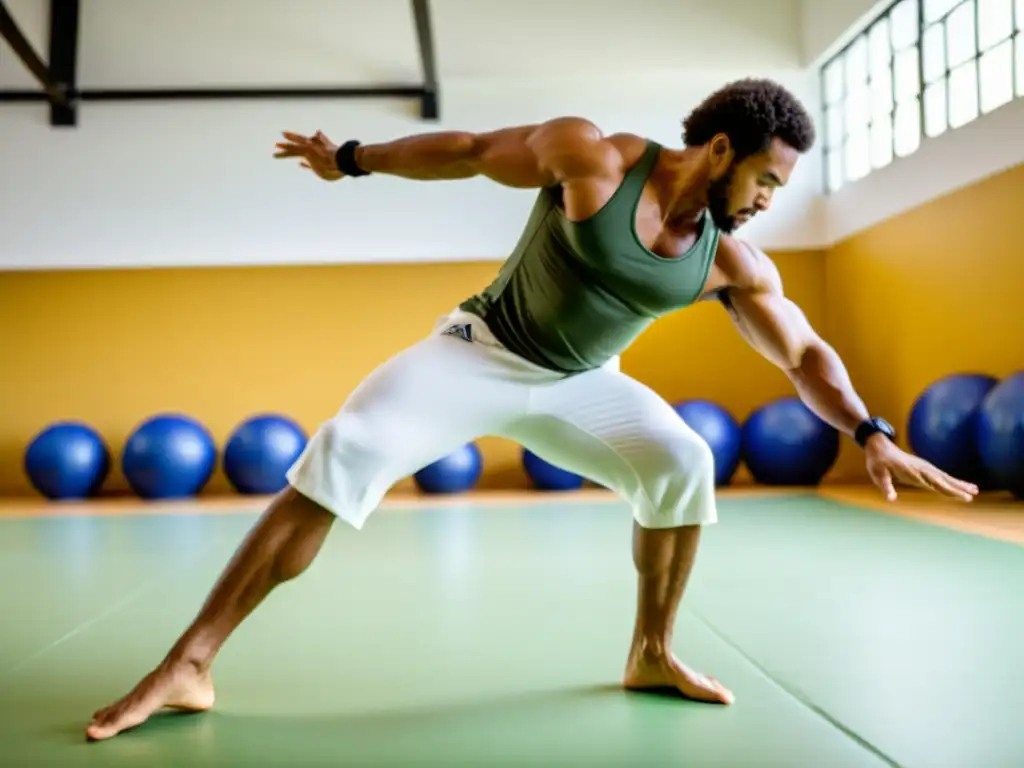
point(617, 432)
point(418, 406)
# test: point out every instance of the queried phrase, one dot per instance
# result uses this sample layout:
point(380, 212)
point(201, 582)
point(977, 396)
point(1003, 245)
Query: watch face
point(885, 427)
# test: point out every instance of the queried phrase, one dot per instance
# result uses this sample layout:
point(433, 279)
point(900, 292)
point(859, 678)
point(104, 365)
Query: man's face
point(740, 190)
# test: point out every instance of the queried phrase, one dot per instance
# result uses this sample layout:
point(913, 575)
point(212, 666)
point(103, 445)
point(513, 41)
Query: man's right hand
point(317, 153)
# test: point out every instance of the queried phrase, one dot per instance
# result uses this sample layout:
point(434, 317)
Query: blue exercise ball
point(260, 451)
point(785, 443)
point(545, 476)
point(67, 460)
point(169, 456)
point(943, 422)
point(720, 431)
point(999, 434)
point(457, 472)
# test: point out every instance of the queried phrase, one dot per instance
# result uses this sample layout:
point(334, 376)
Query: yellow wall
point(936, 290)
point(114, 346)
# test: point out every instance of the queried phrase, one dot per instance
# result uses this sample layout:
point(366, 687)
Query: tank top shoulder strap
point(636, 177)
point(632, 186)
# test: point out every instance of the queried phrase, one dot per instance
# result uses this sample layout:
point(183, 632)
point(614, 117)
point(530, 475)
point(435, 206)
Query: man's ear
point(720, 153)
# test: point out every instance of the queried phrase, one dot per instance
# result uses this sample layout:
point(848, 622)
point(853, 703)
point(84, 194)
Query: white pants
point(448, 390)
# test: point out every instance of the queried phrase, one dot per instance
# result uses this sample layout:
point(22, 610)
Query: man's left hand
point(887, 465)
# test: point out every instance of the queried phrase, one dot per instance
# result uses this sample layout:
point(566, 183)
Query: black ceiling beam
point(9, 30)
point(59, 79)
point(429, 107)
point(64, 58)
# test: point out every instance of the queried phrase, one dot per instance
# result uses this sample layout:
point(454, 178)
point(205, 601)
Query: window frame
point(1012, 38)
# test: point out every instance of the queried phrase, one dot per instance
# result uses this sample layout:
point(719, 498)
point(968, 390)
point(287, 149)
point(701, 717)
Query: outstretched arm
point(779, 330)
point(776, 327)
point(528, 156)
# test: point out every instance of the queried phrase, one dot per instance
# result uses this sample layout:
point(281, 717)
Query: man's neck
point(682, 183)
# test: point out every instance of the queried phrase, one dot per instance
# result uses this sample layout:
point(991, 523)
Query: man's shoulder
point(630, 146)
point(746, 267)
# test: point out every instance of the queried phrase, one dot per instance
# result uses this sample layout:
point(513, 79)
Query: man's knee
point(343, 467)
point(679, 484)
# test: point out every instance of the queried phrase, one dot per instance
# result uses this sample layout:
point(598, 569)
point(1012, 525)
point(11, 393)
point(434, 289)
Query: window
point(924, 67)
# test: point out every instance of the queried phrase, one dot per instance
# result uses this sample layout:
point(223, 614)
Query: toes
point(103, 719)
point(101, 715)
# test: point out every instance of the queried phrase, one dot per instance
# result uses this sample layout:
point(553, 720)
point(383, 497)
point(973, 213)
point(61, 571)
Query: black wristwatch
point(873, 426)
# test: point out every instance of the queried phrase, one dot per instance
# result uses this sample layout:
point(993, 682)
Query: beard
point(718, 202)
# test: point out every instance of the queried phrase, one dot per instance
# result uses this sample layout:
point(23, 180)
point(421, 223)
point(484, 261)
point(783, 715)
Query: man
point(623, 231)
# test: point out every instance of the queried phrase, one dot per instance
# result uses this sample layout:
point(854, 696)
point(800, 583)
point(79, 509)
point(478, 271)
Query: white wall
point(827, 25)
point(156, 42)
point(194, 183)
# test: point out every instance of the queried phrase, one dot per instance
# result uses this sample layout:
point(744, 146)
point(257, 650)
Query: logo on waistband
point(463, 330)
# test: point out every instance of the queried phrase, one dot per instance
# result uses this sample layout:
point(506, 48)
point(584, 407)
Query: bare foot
point(178, 686)
point(652, 673)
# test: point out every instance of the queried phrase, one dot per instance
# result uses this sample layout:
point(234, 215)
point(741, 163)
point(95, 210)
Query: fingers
point(958, 486)
point(883, 479)
point(928, 476)
point(296, 145)
point(951, 486)
point(924, 475)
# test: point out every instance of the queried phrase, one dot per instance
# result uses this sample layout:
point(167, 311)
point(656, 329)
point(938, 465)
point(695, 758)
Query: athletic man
point(623, 231)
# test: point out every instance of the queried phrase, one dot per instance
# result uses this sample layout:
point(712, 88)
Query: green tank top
point(572, 295)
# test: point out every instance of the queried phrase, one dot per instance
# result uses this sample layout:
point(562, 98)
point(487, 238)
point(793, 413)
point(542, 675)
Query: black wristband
point(345, 157)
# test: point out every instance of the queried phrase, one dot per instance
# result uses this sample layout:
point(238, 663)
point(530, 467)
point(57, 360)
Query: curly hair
point(751, 112)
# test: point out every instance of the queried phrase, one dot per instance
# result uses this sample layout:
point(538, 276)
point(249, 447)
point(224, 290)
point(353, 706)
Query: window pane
point(960, 35)
point(907, 128)
point(835, 130)
point(933, 49)
point(935, 109)
point(857, 63)
point(996, 70)
point(904, 24)
point(936, 9)
point(834, 81)
point(858, 154)
point(963, 94)
point(1019, 56)
point(881, 143)
point(857, 108)
point(995, 21)
point(907, 82)
point(881, 95)
point(835, 170)
point(879, 50)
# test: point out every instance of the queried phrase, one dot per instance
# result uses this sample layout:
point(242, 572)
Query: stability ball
point(457, 472)
point(260, 451)
point(942, 424)
point(169, 456)
point(720, 431)
point(785, 443)
point(999, 434)
point(545, 476)
point(67, 460)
